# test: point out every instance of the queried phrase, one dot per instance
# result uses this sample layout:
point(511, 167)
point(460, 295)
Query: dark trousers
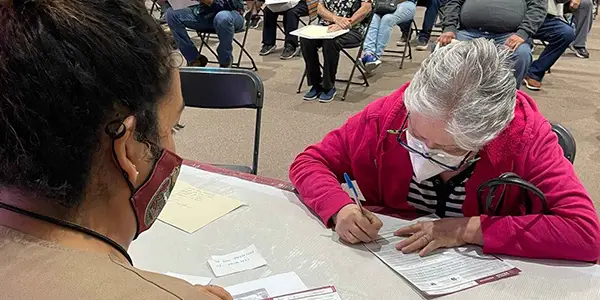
point(559, 35)
point(331, 57)
point(291, 19)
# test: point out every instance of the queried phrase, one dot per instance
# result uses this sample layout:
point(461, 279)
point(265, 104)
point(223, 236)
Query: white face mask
point(425, 168)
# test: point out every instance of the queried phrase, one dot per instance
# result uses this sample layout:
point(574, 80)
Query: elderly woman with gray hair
point(429, 146)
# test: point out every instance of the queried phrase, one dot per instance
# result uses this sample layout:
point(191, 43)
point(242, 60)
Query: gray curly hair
point(470, 85)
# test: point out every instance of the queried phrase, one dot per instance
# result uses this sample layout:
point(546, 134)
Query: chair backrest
point(224, 88)
point(312, 10)
point(566, 141)
point(221, 88)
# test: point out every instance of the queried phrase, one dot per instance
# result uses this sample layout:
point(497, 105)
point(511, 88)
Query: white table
point(291, 239)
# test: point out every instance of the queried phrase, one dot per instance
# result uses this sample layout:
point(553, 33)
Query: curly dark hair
point(67, 68)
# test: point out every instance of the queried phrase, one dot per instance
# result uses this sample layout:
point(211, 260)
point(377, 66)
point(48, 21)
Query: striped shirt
point(444, 199)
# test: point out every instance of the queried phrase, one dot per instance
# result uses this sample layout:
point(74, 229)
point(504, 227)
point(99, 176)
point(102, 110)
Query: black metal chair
point(566, 141)
point(406, 48)
point(205, 35)
point(225, 88)
point(356, 64)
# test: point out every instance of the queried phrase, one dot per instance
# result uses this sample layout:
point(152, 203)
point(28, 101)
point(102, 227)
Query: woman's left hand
point(443, 233)
point(334, 28)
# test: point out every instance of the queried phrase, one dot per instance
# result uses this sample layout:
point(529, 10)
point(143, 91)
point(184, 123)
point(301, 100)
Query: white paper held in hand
point(192, 279)
point(267, 287)
point(235, 262)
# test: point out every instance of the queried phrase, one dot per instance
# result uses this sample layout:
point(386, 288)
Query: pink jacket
point(382, 168)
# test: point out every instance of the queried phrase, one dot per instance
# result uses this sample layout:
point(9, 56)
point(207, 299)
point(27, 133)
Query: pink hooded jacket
point(382, 169)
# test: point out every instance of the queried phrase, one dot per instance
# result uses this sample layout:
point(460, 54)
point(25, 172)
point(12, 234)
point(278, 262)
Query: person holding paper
point(380, 31)
point(87, 156)
point(430, 145)
point(291, 11)
point(222, 16)
point(338, 15)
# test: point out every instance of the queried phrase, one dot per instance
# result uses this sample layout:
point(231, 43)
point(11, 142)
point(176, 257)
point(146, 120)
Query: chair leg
point(407, 47)
point(301, 82)
point(354, 67)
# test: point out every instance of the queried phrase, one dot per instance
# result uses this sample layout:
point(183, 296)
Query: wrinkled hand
point(353, 227)
point(216, 291)
point(446, 38)
point(443, 233)
point(575, 4)
point(334, 28)
point(514, 41)
point(344, 23)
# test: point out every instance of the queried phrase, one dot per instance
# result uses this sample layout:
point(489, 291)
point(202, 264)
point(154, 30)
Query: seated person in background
point(380, 31)
point(338, 15)
point(559, 35)
point(252, 16)
point(431, 12)
point(291, 11)
point(583, 18)
point(86, 159)
point(222, 16)
point(428, 147)
point(507, 22)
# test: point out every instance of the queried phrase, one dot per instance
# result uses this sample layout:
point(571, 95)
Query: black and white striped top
point(444, 199)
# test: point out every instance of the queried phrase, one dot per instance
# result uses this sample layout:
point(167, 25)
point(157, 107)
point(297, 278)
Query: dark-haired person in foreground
point(89, 102)
point(430, 145)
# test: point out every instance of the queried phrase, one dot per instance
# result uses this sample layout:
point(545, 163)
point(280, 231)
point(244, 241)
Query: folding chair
point(407, 47)
point(205, 35)
point(566, 141)
point(212, 88)
point(355, 66)
point(437, 30)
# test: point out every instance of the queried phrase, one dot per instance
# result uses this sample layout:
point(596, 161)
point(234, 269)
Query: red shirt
point(382, 169)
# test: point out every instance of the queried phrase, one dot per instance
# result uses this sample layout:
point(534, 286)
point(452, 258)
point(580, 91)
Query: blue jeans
point(380, 29)
point(559, 35)
point(431, 12)
point(225, 23)
point(521, 57)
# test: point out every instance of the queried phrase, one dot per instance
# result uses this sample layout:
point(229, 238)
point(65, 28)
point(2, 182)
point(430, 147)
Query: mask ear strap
point(116, 130)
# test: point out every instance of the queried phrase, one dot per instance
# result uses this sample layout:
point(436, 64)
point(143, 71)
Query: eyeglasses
point(426, 155)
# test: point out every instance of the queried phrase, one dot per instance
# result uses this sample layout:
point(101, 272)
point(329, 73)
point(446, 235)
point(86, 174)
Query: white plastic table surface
point(290, 238)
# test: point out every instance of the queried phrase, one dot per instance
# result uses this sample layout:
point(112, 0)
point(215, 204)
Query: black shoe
point(581, 52)
point(289, 52)
point(267, 49)
point(422, 44)
point(201, 61)
point(255, 21)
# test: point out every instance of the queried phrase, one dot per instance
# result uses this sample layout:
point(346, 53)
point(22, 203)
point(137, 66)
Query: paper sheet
point(179, 4)
point(246, 259)
point(442, 272)
point(265, 288)
point(192, 279)
point(190, 208)
point(323, 293)
point(317, 32)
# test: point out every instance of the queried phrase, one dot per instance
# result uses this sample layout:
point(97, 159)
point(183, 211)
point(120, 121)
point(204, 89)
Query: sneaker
point(255, 21)
point(581, 52)
point(327, 96)
point(532, 84)
point(201, 61)
point(267, 49)
point(370, 62)
point(422, 45)
point(403, 39)
point(313, 94)
point(289, 52)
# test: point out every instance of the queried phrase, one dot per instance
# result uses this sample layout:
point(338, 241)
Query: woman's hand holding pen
point(354, 226)
point(443, 233)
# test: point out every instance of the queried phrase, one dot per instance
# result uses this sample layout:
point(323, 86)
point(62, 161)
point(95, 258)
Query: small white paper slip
point(235, 262)
point(192, 279)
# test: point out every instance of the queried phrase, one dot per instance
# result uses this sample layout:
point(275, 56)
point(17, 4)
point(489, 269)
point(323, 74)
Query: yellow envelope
point(190, 208)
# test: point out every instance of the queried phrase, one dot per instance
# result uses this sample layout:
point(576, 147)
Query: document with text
point(246, 259)
point(317, 32)
point(442, 272)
